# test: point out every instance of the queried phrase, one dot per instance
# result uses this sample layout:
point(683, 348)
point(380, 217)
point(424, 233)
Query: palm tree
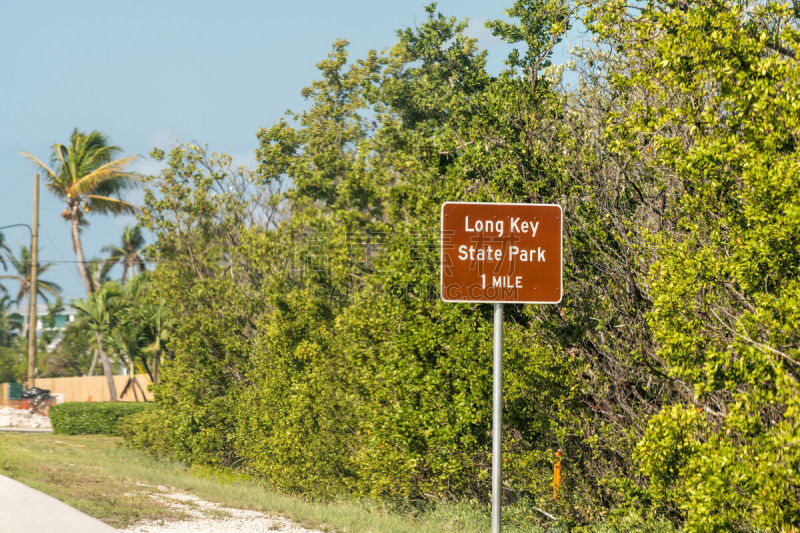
point(145, 325)
point(129, 253)
point(98, 272)
point(88, 178)
point(130, 334)
point(22, 265)
point(98, 313)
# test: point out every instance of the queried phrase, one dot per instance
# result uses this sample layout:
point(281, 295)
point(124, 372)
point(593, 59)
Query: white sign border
point(441, 256)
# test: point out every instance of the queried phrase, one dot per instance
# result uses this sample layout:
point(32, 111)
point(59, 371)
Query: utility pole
point(33, 287)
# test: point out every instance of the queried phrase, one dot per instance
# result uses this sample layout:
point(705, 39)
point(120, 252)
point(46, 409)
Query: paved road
point(27, 510)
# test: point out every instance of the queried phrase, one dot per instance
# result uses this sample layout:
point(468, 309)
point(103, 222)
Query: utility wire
point(76, 262)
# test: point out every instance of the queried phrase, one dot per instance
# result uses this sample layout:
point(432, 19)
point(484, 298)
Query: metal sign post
point(497, 418)
point(500, 253)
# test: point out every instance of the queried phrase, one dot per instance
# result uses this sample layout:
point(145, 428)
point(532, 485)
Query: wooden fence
point(88, 388)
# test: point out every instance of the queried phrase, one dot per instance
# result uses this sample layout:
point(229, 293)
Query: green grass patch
point(82, 472)
point(103, 478)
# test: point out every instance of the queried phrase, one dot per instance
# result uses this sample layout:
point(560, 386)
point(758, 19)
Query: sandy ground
point(208, 517)
point(19, 418)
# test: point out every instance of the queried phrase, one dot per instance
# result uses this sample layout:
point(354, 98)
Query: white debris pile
point(21, 418)
point(208, 517)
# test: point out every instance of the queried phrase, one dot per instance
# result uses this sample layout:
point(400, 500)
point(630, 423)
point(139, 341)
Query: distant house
point(61, 319)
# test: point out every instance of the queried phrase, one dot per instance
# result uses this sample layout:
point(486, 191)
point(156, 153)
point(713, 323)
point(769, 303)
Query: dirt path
point(208, 517)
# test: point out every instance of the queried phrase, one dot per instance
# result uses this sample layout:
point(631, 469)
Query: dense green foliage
point(724, 284)
point(104, 418)
point(309, 345)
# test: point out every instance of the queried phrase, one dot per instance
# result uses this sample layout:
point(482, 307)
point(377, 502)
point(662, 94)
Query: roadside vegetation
point(100, 476)
point(292, 323)
point(91, 473)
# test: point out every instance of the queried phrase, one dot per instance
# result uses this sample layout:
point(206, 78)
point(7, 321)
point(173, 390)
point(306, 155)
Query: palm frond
point(104, 204)
point(47, 286)
point(41, 165)
point(115, 188)
point(57, 190)
point(22, 262)
point(99, 157)
point(23, 286)
point(113, 250)
point(92, 151)
point(110, 171)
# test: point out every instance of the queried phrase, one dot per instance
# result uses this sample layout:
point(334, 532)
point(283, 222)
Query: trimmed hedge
point(75, 418)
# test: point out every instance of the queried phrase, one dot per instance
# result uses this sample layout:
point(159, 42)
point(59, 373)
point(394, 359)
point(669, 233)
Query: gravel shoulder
point(208, 517)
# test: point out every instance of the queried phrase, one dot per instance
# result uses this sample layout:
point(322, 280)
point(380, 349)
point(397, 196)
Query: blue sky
point(147, 72)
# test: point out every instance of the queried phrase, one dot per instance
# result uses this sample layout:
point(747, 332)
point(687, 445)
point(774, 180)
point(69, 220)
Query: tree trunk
point(94, 362)
point(83, 268)
point(133, 378)
point(156, 358)
point(141, 389)
point(112, 389)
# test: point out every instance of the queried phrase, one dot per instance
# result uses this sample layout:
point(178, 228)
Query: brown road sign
point(502, 253)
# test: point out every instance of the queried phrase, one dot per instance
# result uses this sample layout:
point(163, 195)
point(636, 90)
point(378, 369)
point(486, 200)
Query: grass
point(100, 476)
point(93, 474)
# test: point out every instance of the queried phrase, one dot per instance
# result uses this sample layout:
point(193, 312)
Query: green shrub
point(75, 418)
point(147, 430)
